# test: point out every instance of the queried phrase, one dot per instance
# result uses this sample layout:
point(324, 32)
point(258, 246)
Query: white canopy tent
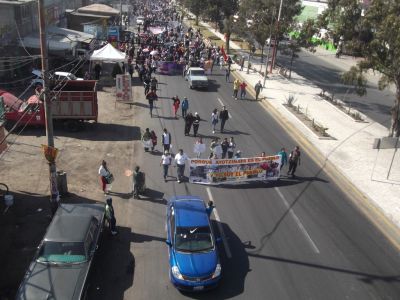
point(108, 54)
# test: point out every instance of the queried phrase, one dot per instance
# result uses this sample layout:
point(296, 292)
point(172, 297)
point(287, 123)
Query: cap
point(196, 113)
point(166, 152)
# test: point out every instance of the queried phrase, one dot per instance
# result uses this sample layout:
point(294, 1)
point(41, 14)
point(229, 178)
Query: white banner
point(123, 88)
point(217, 171)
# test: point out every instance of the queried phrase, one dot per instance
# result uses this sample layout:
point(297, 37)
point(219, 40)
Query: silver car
point(196, 77)
point(62, 262)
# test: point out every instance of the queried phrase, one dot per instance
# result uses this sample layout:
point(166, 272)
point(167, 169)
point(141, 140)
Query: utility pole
point(269, 48)
point(276, 39)
point(49, 150)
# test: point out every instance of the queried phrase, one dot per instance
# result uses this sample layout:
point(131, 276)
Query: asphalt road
point(325, 72)
point(296, 239)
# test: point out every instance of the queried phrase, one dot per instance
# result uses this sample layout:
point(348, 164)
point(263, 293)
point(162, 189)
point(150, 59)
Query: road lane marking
point(298, 222)
point(221, 230)
point(222, 103)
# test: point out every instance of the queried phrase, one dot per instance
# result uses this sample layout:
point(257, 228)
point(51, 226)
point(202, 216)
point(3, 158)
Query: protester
point(231, 147)
point(199, 147)
point(243, 86)
point(138, 182)
point(176, 104)
point(258, 88)
point(294, 160)
point(184, 106)
point(196, 123)
point(146, 140)
point(223, 116)
point(153, 84)
point(238, 154)
point(166, 140)
point(210, 207)
point(189, 119)
point(105, 176)
point(236, 86)
point(224, 146)
point(227, 74)
point(153, 140)
point(180, 159)
point(110, 216)
point(214, 119)
point(166, 161)
point(283, 155)
point(151, 97)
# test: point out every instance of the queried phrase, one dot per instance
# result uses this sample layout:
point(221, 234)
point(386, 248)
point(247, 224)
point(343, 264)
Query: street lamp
point(276, 33)
point(269, 47)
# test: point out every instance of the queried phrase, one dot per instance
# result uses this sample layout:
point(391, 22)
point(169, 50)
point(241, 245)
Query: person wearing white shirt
point(104, 172)
point(180, 159)
point(166, 160)
point(166, 139)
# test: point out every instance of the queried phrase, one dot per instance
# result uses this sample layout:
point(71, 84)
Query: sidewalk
point(374, 172)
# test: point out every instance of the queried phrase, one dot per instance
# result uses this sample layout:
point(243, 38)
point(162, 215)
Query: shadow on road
point(113, 268)
point(235, 269)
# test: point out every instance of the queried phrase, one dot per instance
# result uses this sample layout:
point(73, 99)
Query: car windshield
point(62, 252)
point(72, 77)
point(193, 239)
point(197, 73)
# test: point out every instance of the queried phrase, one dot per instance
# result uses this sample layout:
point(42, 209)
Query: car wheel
point(191, 87)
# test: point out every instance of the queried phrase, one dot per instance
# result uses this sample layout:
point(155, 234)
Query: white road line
point(297, 220)
point(221, 230)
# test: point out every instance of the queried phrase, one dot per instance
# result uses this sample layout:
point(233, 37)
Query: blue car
point(193, 254)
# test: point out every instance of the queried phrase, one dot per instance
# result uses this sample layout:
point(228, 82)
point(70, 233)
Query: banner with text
point(123, 87)
point(218, 171)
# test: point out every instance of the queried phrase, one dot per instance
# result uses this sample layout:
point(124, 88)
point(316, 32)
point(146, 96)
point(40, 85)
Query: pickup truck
point(196, 78)
point(72, 103)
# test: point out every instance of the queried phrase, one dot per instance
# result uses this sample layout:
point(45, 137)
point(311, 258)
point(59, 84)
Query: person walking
point(184, 106)
point(151, 97)
point(231, 147)
point(227, 74)
point(110, 216)
point(196, 123)
point(283, 155)
point(153, 140)
point(166, 161)
point(214, 119)
point(176, 104)
point(146, 140)
point(199, 147)
point(236, 86)
point(166, 140)
point(153, 84)
point(258, 88)
point(188, 123)
point(294, 160)
point(243, 86)
point(241, 64)
point(138, 182)
point(180, 159)
point(105, 176)
point(223, 116)
point(224, 146)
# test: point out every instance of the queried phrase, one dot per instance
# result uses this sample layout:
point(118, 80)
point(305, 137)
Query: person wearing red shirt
point(243, 86)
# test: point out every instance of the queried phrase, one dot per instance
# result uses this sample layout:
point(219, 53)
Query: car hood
point(199, 78)
point(53, 282)
point(196, 264)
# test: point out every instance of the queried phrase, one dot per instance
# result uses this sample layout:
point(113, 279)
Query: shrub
point(290, 100)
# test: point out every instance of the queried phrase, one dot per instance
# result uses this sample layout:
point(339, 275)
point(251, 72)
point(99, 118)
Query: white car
point(59, 75)
point(140, 20)
point(196, 77)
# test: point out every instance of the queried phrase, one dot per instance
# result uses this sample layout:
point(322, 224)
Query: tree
point(196, 7)
point(374, 32)
point(228, 8)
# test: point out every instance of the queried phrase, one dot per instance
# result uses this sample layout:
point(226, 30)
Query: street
point(298, 238)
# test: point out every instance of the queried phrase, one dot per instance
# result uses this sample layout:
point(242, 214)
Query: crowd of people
point(184, 48)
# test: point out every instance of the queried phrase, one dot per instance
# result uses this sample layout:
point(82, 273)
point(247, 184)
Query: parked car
point(193, 254)
point(196, 77)
point(140, 20)
point(58, 75)
point(62, 262)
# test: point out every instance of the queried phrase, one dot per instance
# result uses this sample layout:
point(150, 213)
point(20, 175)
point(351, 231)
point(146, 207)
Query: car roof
point(62, 73)
point(189, 211)
point(196, 69)
point(72, 221)
point(68, 228)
